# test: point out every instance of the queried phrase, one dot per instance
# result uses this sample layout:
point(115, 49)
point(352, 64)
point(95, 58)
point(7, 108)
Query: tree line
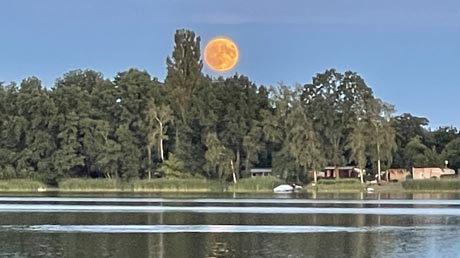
point(192, 125)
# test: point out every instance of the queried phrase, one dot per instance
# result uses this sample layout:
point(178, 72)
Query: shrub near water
point(255, 184)
point(432, 184)
point(21, 185)
point(77, 184)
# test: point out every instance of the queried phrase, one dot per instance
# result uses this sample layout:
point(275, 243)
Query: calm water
point(286, 225)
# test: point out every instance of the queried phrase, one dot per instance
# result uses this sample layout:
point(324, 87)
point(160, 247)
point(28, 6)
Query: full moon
point(221, 54)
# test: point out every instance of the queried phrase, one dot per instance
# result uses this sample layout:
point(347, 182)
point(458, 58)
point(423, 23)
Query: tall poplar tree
point(183, 80)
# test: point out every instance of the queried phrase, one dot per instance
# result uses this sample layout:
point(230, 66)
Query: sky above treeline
point(408, 51)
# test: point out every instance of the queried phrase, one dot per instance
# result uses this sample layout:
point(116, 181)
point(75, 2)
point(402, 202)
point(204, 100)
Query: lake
point(229, 225)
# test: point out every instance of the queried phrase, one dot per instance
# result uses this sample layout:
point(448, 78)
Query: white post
point(233, 172)
point(378, 153)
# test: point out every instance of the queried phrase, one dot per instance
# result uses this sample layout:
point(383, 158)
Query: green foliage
point(451, 153)
point(357, 144)
point(184, 71)
point(135, 127)
point(253, 145)
point(443, 136)
point(218, 157)
point(382, 135)
point(7, 172)
point(419, 155)
point(334, 101)
point(173, 168)
point(407, 127)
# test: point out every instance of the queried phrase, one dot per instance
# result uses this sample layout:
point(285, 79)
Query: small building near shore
point(341, 172)
point(396, 174)
point(255, 172)
point(431, 172)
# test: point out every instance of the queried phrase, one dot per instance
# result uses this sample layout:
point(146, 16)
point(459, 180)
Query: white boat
point(285, 188)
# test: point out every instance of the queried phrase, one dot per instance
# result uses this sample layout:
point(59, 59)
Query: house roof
point(261, 170)
point(340, 168)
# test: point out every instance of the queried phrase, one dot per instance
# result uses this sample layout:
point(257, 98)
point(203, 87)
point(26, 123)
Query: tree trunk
point(149, 161)
point(315, 176)
point(378, 155)
point(247, 165)
point(237, 163)
point(233, 172)
point(177, 136)
point(161, 142)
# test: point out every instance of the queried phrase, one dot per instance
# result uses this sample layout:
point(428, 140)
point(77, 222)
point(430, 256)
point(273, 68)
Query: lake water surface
point(230, 225)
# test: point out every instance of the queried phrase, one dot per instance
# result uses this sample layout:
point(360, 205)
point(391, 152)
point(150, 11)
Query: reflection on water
point(218, 226)
point(213, 229)
point(220, 249)
point(12, 208)
point(231, 201)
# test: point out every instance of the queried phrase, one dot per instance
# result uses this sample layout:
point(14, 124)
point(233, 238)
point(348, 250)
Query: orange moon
point(221, 54)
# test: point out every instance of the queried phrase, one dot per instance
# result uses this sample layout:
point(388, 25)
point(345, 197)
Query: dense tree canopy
point(135, 126)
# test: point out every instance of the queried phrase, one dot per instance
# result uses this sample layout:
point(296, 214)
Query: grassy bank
point(452, 185)
point(21, 185)
point(256, 184)
point(337, 185)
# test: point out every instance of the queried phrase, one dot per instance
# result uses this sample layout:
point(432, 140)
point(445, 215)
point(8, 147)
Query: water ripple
point(234, 201)
point(278, 229)
point(223, 209)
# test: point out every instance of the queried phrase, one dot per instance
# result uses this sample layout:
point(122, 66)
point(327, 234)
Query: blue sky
point(408, 51)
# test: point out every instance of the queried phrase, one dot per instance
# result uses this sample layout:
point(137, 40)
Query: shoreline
point(209, 186)
point(241, 191)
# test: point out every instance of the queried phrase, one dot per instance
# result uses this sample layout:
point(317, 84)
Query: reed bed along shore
point(265, 184)
point(249, 185)
point(432, 185)
point(22, 185)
